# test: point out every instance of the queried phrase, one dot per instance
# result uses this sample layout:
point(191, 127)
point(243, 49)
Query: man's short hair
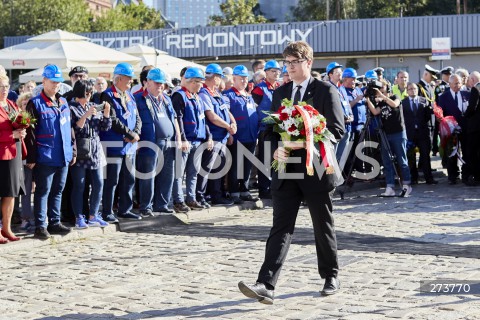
point(182, 72)
point(144, 73)
point(256, 63)
point(298, 49)
point(402, 71)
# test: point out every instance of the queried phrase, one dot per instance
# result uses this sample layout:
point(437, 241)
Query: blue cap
point(371, 74)
point(53, 72)
point(349, 73)
point(240, 70)
point(215, 69)
point(157, 75)
point(194, 72)
point(272, 64)
point(333, 65)
point(124, 69)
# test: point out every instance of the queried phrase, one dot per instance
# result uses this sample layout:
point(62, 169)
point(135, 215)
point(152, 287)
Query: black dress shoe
point(257, 291)
point(58, 229)
point(265, 195)
point(332, 285)
point(249, 197)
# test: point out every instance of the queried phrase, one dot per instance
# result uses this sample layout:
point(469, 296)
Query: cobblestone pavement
point(387, 246)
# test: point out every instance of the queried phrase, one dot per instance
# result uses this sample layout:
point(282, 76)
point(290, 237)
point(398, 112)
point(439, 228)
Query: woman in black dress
point(12, 148)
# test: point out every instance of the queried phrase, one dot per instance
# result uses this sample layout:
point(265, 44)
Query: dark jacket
point(419, 119)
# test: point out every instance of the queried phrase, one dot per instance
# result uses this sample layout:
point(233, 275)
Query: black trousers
point(286, 202)
point(424, 148)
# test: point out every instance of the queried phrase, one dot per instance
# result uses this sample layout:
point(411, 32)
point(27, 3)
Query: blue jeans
point(340, 148)
point(203, 178)
point(78, 188)
point(50, 182)
point(162, 182)
point(398, 146)
point(119, 174)
point(191, 162)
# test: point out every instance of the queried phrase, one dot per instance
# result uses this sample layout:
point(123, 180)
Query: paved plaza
point(166, 269)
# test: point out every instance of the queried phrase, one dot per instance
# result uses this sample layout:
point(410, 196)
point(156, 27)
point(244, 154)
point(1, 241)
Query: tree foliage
point(129, 17)
point(235, 12)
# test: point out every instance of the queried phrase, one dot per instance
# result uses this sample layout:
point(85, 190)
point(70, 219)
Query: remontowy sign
point(231, 39)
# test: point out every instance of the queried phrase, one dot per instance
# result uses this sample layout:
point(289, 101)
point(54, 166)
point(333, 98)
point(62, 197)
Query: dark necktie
point(297, 96)
point(414, 107)
point(456, 100)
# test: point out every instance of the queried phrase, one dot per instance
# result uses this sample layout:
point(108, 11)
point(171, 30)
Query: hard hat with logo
point(53, 72)
point(371, 74)
point(194, 72)
point(240, 70)
point(272, 64)
point(124, 69)
point(157, 75)
point(215, 69)
point(333, 65)
point(349, 73)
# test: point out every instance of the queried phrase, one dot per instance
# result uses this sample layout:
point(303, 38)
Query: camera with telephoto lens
point(370, 92)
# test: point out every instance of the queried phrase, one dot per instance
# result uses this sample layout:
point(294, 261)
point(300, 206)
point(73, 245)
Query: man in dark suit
point(416, 115)
point(287, 193)
point(454, 103)
point(473, 134)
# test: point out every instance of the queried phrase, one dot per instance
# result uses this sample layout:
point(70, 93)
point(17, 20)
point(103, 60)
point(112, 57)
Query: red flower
point(295, 113)
point(283, 116)
point(317, 130)
point(292, 128)
point(302, 132)
point(281, 109)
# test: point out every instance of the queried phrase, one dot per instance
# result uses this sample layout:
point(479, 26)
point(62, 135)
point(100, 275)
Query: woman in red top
point(12, 148)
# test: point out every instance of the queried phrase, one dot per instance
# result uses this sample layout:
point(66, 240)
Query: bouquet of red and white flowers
point(22, 120)
point(303, 123)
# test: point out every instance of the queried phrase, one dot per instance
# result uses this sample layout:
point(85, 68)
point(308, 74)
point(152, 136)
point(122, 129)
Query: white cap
point(227, 71)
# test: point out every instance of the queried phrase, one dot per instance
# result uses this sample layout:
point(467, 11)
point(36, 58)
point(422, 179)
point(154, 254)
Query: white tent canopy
point(160, 59)
point(66, 50)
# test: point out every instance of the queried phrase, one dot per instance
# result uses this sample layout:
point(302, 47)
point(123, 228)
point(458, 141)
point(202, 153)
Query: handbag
point(84, 148)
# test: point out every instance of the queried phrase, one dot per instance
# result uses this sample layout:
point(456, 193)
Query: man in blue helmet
point(121, 144)
point(348, 82)
point(221, 124)
point(262, 95)
point(194, 131)
point(334, 73)
point(160, 128)
point(50, 148)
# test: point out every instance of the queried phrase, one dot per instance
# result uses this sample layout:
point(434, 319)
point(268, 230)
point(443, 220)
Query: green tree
point(33, 17)
point(235, 12)
point(131, 17)
point(316, 10)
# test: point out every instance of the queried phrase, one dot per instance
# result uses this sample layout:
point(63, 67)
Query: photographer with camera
point(387, 105)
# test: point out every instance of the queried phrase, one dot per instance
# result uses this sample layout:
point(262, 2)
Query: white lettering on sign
point(122, 42)
point(241, 39)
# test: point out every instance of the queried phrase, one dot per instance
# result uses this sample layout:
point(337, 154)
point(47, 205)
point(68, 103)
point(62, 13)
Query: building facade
point(188, 13)
point(97, 6)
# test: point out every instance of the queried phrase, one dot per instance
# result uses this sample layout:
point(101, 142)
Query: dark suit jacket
point(326, 100)
point(8, 148)
point(447, 103)
point(420, 118)
point(473, 111)
point(427, 91)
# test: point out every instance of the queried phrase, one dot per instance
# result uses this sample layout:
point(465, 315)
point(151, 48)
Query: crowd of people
point(98, 151)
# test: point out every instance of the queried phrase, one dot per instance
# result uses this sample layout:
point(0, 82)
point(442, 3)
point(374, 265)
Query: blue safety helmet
point(53, 72)
point(371, 74)
point(240, 70)
point(272, 64)
point(194, 72)
point(215, 69)
point(349, 73)
point(157, 75)
point(333, 65)
point(124, 69)
point(284, 70)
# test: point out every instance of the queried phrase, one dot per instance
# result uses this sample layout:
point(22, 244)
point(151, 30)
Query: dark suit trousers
point(424, 147)
point(286, 202)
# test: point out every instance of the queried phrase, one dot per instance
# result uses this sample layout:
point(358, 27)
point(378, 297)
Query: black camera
point(370, 92)
point(100, 107)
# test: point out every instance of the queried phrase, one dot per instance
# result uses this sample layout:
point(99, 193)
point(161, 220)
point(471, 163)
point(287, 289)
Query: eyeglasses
point(5, 87)
point(293, 63)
